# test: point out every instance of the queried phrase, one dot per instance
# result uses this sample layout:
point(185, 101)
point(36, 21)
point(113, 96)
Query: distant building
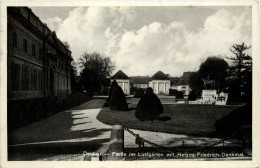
point(160, 83)
point(122, 80)
point(140, 81)
point(38, 62)
point(181, 83)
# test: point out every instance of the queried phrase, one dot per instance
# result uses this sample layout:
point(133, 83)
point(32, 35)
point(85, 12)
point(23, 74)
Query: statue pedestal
point(209, 96)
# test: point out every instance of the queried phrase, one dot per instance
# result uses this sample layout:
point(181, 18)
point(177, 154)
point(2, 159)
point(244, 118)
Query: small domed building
point(160, 83)
point(123, 81)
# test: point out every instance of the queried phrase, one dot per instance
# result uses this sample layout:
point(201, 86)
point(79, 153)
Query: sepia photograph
point(138, 83)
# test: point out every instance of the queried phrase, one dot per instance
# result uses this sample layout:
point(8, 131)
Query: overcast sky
point(143, 40)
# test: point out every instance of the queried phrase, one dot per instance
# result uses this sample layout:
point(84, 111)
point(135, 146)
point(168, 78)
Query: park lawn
point(196, 120)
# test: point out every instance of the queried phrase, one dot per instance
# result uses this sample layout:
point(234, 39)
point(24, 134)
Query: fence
point(117, 140)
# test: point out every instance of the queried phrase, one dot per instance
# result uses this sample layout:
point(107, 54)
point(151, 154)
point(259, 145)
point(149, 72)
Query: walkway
point(64, 136)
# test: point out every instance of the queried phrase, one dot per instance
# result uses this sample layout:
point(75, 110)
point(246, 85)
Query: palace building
point(39, 64)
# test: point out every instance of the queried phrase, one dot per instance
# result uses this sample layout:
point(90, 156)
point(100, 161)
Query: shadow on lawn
point(164, 118)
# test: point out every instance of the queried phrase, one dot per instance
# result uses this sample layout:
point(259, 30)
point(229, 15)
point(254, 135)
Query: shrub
point(173, 92)
point(234, 121)
point(139, 93)
point(117, 100)
point(179, 95)
point(149, 107)
point(112, 88)
point(192, 96)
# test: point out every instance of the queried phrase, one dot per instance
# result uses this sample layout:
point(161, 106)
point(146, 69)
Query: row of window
point(25, 78)
point(62, 83)
point(25, 46)
point(61, 65)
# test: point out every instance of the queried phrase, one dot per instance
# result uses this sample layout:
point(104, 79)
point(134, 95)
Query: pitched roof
point(186, 75)
point(174, 80)
point(120, 75)
point(140, 79)
point(160, 76)
point(183, 82)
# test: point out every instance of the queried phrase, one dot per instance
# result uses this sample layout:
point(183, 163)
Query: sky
point(144, 40)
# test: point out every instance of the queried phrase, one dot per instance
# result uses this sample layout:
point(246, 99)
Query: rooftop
point(160, 76)
point(140, 79)
point(120, 75)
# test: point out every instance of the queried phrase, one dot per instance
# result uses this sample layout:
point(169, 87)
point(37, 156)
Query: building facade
point(140, 81)
point(39, 64)
point(160, 83)
point(123, 81)
point(182, 83)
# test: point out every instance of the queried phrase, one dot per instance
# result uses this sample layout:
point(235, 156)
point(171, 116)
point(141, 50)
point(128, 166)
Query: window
point(15, 39)
point(32, 79)
point(15, 76)
point(33, 50)
point(24, 45)
point(40, 54)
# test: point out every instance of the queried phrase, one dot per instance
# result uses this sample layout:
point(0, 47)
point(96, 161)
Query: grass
point(196, 120)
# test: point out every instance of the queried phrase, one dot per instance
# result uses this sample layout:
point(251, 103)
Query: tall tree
point(196, 83)
point(95, 73)
point(240, 72)
point(76, 85)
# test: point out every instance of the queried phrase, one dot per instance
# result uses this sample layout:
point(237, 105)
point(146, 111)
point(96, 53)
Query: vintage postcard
point(129, 84)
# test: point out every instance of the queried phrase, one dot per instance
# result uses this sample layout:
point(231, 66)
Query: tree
point(192, 96)
point(173, 92)
point(95, 73)
point(74, 84)
point(196, 83)
point(214, 69)
point(179, 95)
point(240, 73)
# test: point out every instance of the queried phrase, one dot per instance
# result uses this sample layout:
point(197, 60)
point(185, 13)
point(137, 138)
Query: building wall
point(144, 86)
point(30, 69)
point(160, 86)
point(184, 88)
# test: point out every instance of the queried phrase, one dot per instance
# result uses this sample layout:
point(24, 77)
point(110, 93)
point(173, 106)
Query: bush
point(173, 92)
point(139, 93)
point(179, 95)
point(234, 121)
point(192, 96)
point(149, 107)
point(117, 100)
point(112, 88)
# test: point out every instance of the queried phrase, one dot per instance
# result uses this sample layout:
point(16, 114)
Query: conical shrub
point(149, 107)
point(117, 100)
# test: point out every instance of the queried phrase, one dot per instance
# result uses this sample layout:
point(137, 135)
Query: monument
point(209, 93)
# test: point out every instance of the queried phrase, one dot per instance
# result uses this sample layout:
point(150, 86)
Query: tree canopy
point(240, 74)
point(214, 68)
point(96, 71)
